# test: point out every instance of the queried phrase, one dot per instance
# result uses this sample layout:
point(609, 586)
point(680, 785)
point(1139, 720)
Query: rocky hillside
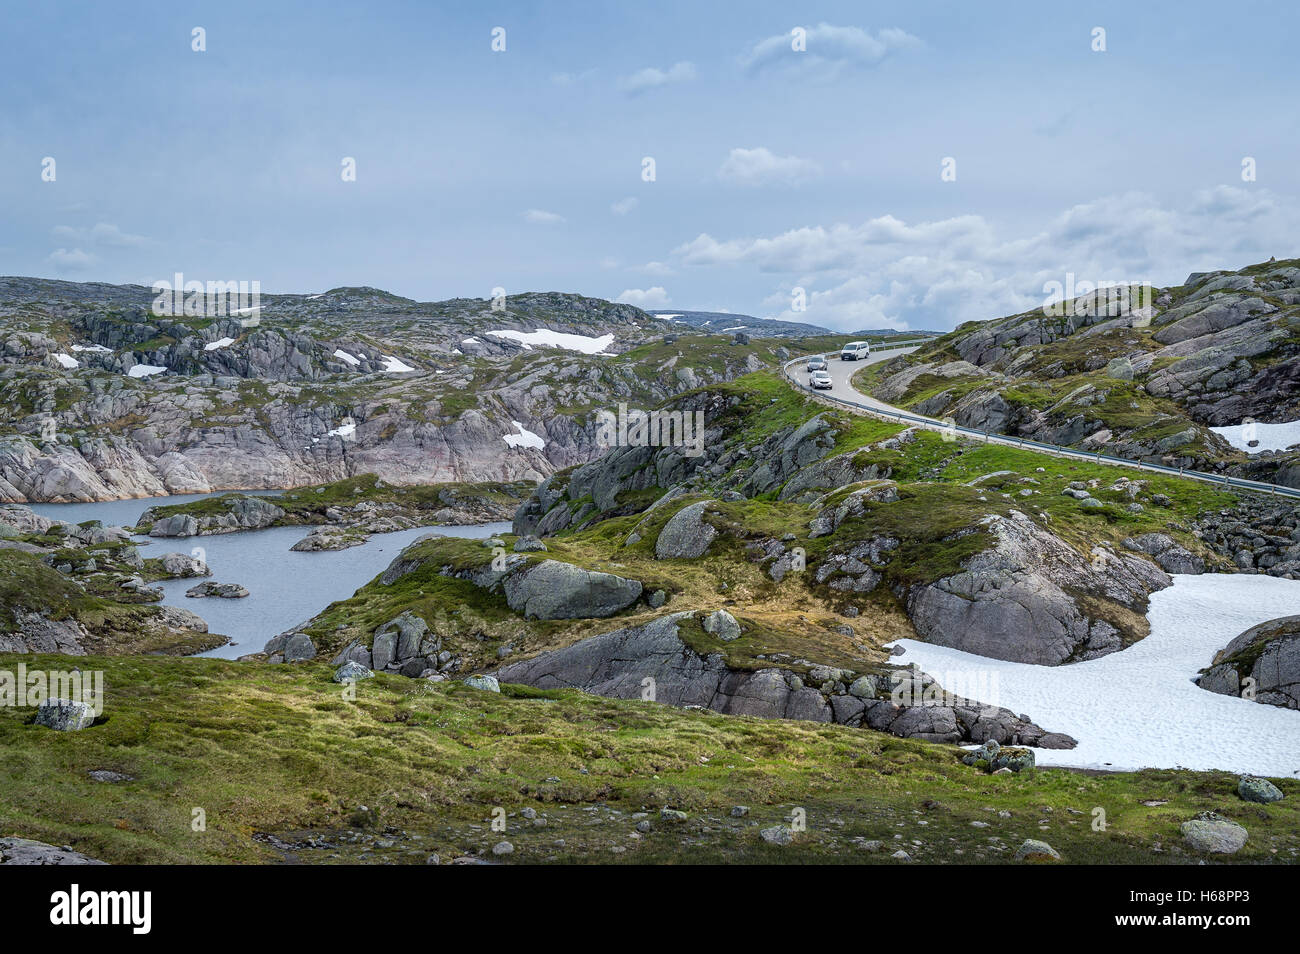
point(769, 575)
point(106, 400)
point(1149, 381)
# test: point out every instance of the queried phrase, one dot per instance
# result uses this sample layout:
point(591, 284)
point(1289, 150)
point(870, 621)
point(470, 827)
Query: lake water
point(285, 588)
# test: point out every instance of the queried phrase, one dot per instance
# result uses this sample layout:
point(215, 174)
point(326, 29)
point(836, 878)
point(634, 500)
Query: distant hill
point(725, 322)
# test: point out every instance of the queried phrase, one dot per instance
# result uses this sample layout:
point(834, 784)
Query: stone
point(739, 811)
point(503, 848)
point(777, 835)
point(723, 625)
point(65, 715)
point(1214, 835)
point(299, 648)
point(484, 683)
point(555, 590)
point(23, 851)
point(1034, 850)
point(672, 814)
point(685, 536)
point(1258, 790)
point(529, 544)
point(226, 591)
point(181, 565)
point(352, 672)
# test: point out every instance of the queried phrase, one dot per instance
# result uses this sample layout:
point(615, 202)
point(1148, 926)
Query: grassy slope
point(277, 749)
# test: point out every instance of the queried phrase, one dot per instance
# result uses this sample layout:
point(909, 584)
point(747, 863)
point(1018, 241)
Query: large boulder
point(685, 536)
point(65, 715)
point(182, 566)
point(1214, 835)
point(1032, 598)
point(1268, 654)
point(555, 590)
point(1172, 557)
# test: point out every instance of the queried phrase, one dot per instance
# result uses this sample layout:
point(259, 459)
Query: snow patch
point(219, 343)
point(395, 366)
point(93, 347)
point(1274, 437)
point(525, 438)
point(145, 370)
point(67, 360)
point(1138, 708)
point(343, 430)
point(340, 353)
point(557, 339)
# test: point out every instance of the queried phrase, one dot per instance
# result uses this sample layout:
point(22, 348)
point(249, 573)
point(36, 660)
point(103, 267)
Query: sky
point(911, 165)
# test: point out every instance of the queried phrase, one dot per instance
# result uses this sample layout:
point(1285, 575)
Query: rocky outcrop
point(1269, 656)
point(685, 536)
point(1172, 557)
point(555, 590)
point(23, 851)
point(1032, 598)
point(241, 513)
point(654, 658)
point(37, 633)
point(225, 591)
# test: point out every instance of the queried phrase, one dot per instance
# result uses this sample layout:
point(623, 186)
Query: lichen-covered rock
point(23, 851)
point(1268, 654)
point(723, 625)
point(685, 536)
point(1259, 790)
point(1018, 600)
point(65, 715)
point(1214, 835)
point(1036, 851)
point(555, 590)
point(352, 672)
point(484, 683)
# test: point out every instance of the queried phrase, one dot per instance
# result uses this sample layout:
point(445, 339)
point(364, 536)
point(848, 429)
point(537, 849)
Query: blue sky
point(775, 169)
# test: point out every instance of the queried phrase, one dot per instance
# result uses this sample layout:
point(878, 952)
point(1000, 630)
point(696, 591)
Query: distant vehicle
point(855, 350)
point(816, 363)
point(821, 380)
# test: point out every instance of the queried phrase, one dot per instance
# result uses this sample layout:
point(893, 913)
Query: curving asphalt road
point(843, 392)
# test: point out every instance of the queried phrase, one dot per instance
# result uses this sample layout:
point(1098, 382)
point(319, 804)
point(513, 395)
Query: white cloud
point(656, 268)
point(70, 260)
point(645, 297)
point(572, 79)
point(760, 166)
point(829, 50)
point(542, 217)
point(624, 206)
point(940, 273)
point(102, 233)
point(652, 78)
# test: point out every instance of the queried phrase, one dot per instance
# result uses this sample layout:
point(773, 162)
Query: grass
point(279, 749)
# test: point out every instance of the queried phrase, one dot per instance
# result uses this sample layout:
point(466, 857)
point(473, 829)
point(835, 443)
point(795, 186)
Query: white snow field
point(340, 353)
point(1274, 437)
point(557, 339)
point(67, 360)
point(144, 370)
point(218, 344)
point(1138, 708)
point(93, 347)
point(525, 438)
point(395, 365)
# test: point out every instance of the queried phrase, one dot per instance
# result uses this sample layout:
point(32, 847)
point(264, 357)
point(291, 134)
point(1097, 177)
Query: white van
point(855, 350)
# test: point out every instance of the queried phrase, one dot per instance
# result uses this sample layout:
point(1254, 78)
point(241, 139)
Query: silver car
point(817, 363)
point(821, 380)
